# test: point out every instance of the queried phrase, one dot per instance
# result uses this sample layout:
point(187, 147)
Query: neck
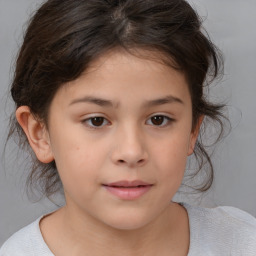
point(169, 232)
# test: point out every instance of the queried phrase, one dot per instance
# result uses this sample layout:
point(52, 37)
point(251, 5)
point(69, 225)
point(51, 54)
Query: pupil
point(97, 121)
point(157, 120)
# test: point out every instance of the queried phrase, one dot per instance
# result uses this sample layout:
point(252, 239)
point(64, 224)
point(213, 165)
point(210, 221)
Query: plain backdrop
point(231, 25)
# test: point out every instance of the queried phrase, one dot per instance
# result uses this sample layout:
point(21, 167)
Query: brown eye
point(159, 120)
point(97, 121)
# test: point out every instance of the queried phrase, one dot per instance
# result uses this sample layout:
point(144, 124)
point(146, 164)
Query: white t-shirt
point(221, 231)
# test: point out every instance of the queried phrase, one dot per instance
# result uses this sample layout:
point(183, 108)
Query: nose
point(130, 148)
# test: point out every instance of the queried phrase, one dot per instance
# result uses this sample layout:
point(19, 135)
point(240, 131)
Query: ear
point(194, 135)
point(36, 133)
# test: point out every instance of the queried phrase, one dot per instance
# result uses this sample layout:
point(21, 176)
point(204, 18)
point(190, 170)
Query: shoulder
point(223, 228)
point(222, 214)
point(27, 241)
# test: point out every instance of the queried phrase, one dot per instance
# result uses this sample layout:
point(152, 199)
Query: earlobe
point(36, 133)
point(194, 135)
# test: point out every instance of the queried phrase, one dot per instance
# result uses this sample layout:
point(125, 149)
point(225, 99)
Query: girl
point(109, 96)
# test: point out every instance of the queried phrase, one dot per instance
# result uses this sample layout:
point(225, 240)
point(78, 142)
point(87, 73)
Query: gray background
point(231, 24)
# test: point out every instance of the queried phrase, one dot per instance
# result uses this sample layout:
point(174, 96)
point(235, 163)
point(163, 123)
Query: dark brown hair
point(63, 37)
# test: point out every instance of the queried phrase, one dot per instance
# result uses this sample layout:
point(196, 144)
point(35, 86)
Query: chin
point(128, 221)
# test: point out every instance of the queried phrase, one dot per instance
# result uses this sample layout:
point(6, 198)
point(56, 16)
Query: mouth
point(128, 190)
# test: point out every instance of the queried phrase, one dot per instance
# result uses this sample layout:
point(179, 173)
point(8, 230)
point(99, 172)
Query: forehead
point(141, 59)
point(115, 72)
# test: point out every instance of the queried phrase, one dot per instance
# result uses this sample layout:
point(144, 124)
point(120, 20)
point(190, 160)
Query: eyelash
point(167, 121)
point(90, 119)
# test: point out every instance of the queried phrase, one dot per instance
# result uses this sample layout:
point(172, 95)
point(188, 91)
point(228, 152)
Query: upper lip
point(126, 183)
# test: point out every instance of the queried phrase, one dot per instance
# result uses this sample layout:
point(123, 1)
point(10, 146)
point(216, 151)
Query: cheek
point(171, 156)
point(78, 171)
point(77, 159)
point(73, 146)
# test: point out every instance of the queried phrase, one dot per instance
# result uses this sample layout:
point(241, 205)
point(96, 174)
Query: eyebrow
point(108, 103)
point(161, 101)
point(98, 101)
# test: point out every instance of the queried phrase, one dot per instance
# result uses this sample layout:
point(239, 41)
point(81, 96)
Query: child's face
point(125, 119)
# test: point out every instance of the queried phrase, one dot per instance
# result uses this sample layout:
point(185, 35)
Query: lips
point(128, 184)
point(128, 190)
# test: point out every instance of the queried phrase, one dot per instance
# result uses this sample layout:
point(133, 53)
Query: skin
point(126, 145)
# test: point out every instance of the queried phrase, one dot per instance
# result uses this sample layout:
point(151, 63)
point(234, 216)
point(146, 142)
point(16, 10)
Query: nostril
point(121, 161)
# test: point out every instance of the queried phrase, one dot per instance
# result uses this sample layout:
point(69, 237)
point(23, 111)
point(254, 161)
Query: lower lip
point(128, 193)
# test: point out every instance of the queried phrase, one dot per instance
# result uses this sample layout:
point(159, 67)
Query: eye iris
point(97, 121)
point(157, 120)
